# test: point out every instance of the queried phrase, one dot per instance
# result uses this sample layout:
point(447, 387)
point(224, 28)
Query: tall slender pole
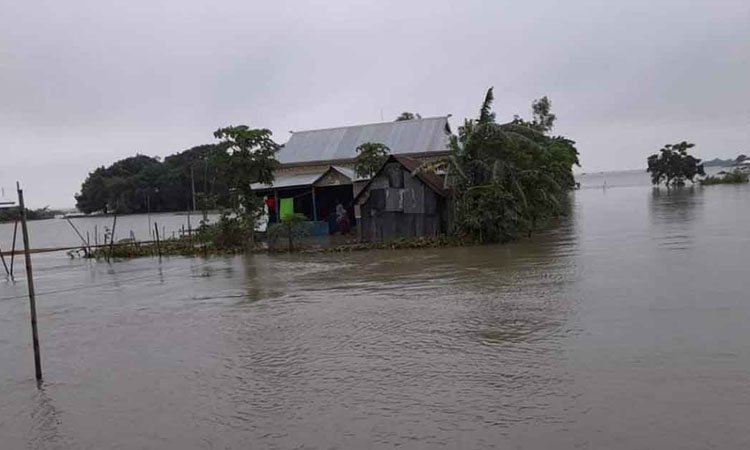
point(315, 207)
point(205, 190)
point(148, 211)
point(13, 250)
point(192, 184)
point(112, 238)
point(30, 280)
point(158, 244)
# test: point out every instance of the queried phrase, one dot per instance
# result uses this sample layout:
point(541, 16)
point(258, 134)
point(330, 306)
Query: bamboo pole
point(13, 250)
point(2, 256)
point(30, 281)
point(158, 244)
point(86, 245)
point(112, 238)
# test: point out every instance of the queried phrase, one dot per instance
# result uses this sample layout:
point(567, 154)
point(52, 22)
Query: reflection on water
point(673, 216)
point(45, 424)
point(623, 327)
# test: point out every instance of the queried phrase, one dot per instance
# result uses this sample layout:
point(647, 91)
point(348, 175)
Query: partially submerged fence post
point(30, 280)
point(158, 244)
point(112, 238)
point(2, 256)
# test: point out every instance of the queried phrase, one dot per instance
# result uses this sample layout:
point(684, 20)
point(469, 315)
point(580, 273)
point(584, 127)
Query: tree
point(674, 166)
point(93, 196)
point(370, 156)
point(506, 179)
point(407, 116)
point(250, 158)
point(543, 119)
point(132, 184)
point(221, 173)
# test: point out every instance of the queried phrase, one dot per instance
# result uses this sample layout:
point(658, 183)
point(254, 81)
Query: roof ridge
point(372, 123)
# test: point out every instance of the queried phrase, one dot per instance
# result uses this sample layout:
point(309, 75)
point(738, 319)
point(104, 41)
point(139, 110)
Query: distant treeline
point(13, 214)
point(718, 162)
point(141, 183)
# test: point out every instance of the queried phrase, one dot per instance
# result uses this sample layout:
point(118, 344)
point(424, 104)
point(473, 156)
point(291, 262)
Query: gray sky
point(84, 83)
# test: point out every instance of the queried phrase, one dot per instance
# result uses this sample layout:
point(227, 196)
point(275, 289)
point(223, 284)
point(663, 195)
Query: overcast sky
point(84, 83)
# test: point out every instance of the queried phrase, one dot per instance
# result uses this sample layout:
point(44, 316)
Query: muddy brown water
point(626, 327)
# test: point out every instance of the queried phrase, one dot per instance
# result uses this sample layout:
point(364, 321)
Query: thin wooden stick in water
point(13, 250)
point(2, 256)
point(86, 245)
point(112, 239)
point(158, 244)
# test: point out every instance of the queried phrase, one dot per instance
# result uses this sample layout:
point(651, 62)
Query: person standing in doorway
point(342, 218)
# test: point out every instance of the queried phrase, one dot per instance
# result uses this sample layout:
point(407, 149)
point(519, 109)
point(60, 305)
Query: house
point(316, 177)
point(402, 201)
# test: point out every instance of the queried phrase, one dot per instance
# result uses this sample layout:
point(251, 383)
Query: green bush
point(292, 228)
point(733, 177)
point(231, 231)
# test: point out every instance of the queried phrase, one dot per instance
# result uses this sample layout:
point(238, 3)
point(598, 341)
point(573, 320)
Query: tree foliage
point(732, 177)
point(406, 115)
point(134, 184)
point(250, 158)
point(370, 156)
point(506, 179)
point(14, 213)
point(543, 119)
point(673, 165)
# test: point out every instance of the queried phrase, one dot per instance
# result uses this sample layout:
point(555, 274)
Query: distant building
point(402, 201)
point(317, 178)
point(5, 202)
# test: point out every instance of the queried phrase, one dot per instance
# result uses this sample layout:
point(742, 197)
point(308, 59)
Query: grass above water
point(733, 177)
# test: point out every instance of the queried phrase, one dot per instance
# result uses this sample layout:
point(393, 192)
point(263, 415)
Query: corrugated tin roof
point(430, 179)
point(304, 179)
point(407, 136)
point(347, 172)
point(284, 181)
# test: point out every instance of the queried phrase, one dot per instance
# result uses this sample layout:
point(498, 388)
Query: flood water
point(625, 327)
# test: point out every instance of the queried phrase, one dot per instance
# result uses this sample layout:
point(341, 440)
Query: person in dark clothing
point(342, 219)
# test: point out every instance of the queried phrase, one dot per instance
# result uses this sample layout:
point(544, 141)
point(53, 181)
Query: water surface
point(624, 327)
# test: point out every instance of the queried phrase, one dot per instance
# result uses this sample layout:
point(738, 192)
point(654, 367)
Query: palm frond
point(485, 114)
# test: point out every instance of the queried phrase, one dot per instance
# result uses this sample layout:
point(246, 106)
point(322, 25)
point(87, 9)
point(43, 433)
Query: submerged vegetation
point(674, 166)
point(733, 177)
point(292, 229)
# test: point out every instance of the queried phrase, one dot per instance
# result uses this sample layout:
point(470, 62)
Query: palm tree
point(505, 178)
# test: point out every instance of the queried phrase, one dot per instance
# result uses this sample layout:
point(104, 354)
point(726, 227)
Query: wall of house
point(398, 204)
